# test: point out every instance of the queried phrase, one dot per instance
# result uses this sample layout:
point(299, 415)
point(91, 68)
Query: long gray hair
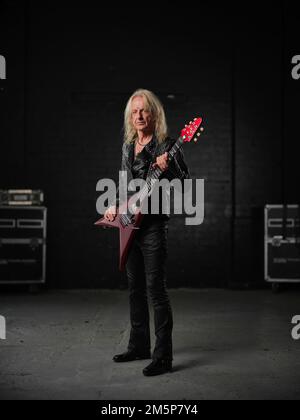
point(154, 106)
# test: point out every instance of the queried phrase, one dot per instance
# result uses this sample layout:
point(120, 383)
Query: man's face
point(140, 116)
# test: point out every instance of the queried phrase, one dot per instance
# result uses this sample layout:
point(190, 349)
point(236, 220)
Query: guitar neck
point(187, 135)
point(154, 175)
point(157, 172)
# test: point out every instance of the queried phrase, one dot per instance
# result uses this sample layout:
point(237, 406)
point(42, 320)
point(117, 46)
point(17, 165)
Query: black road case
point(23, 244)
point(282, 244)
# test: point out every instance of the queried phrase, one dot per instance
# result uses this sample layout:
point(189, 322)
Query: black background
point(70, 70)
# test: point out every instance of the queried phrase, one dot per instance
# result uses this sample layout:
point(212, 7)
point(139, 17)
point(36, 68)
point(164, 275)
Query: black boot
point(157, 367)
point(131, 355)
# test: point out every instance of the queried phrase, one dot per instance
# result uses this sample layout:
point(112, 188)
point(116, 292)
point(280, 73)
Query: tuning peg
point(198, 134)
point(195, 119)
point(202, 129)
point(190, 122)
point(196, 140)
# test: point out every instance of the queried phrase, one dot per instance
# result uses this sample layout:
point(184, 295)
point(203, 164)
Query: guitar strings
point(155, 174)
point(147, 189)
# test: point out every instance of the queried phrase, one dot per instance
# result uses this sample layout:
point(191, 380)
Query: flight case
point(23, 244)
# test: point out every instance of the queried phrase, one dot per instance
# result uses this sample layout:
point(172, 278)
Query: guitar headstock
point(192, 131)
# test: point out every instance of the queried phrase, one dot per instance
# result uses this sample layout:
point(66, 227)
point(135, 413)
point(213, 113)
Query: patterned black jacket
point(137, 168)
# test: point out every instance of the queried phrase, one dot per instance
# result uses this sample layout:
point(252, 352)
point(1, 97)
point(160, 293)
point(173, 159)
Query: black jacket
point(138, 167)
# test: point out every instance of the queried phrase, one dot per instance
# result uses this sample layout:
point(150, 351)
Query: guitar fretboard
point(156, 173)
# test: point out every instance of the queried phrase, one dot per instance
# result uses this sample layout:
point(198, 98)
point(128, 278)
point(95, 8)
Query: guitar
point(128, 224)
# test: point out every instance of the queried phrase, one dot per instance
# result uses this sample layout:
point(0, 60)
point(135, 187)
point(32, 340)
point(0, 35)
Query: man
point(146, 143)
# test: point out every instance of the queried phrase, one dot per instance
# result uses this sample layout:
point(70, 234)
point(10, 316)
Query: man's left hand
point(162, 162)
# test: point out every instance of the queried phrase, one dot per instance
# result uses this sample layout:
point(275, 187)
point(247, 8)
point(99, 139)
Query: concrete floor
point(227, 345)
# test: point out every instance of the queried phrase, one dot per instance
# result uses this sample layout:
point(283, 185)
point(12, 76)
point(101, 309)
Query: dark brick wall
point(257, 122)
point(290, 149)
point(71, 71)
point(12, 99)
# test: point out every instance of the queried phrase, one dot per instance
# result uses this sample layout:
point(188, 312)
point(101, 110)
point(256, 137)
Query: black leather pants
point(146, 271)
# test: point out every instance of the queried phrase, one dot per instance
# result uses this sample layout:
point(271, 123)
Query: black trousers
point(146, 272)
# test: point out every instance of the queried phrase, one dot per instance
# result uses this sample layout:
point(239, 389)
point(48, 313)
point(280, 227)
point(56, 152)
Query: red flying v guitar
point(129, 223)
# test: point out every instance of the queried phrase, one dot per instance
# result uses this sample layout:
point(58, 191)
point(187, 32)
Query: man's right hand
point(111, 213)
